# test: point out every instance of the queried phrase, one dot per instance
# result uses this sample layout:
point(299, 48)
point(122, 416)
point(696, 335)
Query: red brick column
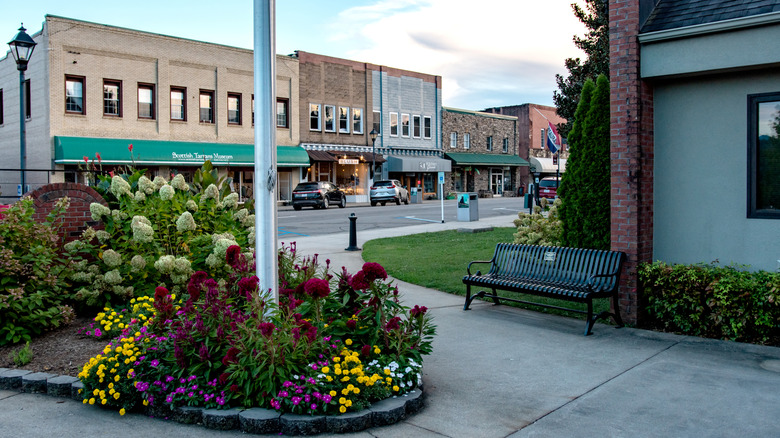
point(78, 217)
point(631, 151)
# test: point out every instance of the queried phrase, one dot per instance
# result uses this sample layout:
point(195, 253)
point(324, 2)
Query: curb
point(253, 420)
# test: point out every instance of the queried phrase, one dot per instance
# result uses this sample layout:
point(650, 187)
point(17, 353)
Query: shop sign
point(349, 161)
point(427, 166)
point(194, 156)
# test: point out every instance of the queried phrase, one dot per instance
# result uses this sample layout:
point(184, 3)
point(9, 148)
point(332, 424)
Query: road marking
point(508, 209)
point(417, 219)
point(286, 217)
point(282, 232)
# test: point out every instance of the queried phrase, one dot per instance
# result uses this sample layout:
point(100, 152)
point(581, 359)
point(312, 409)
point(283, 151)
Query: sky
point(489, 53)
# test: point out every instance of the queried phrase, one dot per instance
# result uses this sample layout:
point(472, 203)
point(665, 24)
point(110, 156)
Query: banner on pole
point(553, 139)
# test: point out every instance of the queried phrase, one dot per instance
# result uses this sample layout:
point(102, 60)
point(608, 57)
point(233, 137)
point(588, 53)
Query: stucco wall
point(700, 179)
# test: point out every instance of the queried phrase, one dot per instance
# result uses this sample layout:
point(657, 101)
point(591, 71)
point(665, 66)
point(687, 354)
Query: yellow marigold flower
point(377, 351)
point(345, 372)
point(326, 370)
point(396, 388)
point(332, 393)
point(116, 395)
point(336, 359)
point(342, 400)
point(356, 390)
point(349, 403)
point(110, 385)
point(116, 378)
point(111, 391)
point(342, 409)
point(104, 401)
point(345, 379)
point(330, 379)
point(122, 411)
point(146, 402)
point(95, 391)
point(344, 391)
point(387, 371)
point(348, 342)
point(92, 401)
point(85, 401)
point(350, 387)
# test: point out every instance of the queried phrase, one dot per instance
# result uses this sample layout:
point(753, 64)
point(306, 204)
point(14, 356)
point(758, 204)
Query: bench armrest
point(592, 279)
point(468, 268)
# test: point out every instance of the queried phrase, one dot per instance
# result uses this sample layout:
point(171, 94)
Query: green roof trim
point(72, 150)
point(468, 159)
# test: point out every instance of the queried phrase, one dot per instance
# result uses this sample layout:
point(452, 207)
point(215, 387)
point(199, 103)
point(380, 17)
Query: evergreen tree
point(596, 137)
point(575, 177)
point(595, 44)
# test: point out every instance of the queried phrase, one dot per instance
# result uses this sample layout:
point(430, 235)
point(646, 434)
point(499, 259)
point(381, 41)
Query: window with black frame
point(764, 155)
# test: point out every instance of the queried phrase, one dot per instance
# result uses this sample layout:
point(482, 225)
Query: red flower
point(248, 285)
point(160, 293)
point(86, 160)
point(231, 356)
point(374, 271)
point(223, 378)
point(365, 351)
point(317, 288)
point(351, 324)
point(130, 148)
point(359, 281)
point(100, 160)
point(232, 255)
point(267, 329)
point(233, 388)
point(418, 311)
point(393, 323)
point(195, 284)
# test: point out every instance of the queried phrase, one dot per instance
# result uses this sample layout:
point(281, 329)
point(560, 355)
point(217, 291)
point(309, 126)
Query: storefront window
point(352, 178)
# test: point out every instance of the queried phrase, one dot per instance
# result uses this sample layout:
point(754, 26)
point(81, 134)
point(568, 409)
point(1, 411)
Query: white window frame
point(453, 140)
point(344, 117)
point(357, 122)
point(329, 125)
point(405, 128)
point(317, 107)
point(393, 124)
point(467, 141)
point(416, 126)
point(427, 127)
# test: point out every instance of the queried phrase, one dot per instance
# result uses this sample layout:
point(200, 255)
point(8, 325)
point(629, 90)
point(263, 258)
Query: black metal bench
point(572, 274)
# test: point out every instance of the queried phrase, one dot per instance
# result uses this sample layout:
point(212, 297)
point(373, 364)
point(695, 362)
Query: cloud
point(495, 52)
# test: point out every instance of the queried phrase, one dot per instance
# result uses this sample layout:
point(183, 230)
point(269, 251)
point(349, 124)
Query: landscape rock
point(12, 379)
point(60, 386)
point(388, 411)
point(221, 419)
point(349, 422)
point(293, 424)
point(260, 421)
point(188, 414)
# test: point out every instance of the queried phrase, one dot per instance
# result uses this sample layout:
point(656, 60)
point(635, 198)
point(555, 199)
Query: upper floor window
point(206, 106)
point(146, 101)
point(344, 119)
point(314, 117)
point(427, 127)
point(282, 113)
point(764, 155)
point(453, 139)
point(330, 118)
point(234, 108)
point(393, 124)
point(74, 95)
point(377, 122)
point(178, 103)
point(112, 98)
point(357, 120)
point(467, 141)
point(489, 145)
point(404, 125)
point(416, 127)
point(505, 146)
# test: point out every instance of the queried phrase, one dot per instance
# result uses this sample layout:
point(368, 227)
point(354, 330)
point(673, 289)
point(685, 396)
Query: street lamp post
point(22, 47)
point(373, 134)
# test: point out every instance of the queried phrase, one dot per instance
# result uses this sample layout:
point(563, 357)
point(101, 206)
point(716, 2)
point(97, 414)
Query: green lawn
point(439, 261)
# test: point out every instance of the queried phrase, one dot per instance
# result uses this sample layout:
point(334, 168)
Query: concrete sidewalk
point(498, 371)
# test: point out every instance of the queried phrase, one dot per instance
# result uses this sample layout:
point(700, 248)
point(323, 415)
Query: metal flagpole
point(265, 147)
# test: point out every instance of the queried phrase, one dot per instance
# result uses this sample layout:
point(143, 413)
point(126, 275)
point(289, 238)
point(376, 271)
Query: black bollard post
point(352, 234)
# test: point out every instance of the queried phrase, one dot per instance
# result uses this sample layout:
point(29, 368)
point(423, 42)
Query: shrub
point(712, 301)
point(33, 288)
point(155, 233)
point(535, 229)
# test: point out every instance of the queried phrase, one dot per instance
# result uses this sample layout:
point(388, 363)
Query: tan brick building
point(483, 150)
point(96, 89)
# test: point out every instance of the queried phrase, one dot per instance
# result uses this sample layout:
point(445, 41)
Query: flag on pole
point(553, 139)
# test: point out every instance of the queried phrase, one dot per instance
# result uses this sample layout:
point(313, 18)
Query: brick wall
point(631, 151)
point(78, 217)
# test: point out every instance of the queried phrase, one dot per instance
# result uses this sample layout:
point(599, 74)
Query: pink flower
point(86, 160)
point(418, 311)
point(98, 157)
point(359, 281)
point(231, 256)
point(130, 148)
point(267, 329)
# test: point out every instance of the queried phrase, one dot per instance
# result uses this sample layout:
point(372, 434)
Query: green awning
point(72, 150)
point(467, 159)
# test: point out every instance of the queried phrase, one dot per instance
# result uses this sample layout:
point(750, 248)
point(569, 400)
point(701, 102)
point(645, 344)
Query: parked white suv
point(388, 190)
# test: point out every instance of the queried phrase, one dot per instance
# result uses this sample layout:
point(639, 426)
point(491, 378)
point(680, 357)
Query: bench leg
point(616, 311)
point(591, 320)
point(468, 297)
point(495, 297)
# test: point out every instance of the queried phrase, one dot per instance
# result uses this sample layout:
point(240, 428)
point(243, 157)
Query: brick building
point(532, 120)
point(95, 89)
point(694, 90)
point(344, 100)
point(483, 150)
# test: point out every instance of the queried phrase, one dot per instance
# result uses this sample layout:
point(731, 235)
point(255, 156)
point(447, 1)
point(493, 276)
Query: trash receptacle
point(528, 201)
point(468, 207)
point(417, 195)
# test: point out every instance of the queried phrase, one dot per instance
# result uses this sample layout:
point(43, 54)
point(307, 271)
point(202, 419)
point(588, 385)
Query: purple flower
point(314, 406)
point(169, 399)
point(326, 398)
point(98, 333)
point(155, 363)
point(295, 400)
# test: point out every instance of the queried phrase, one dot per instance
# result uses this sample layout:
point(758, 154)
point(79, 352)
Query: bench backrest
point(553, 263)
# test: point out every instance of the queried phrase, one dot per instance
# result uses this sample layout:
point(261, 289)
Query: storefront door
point(497, 182)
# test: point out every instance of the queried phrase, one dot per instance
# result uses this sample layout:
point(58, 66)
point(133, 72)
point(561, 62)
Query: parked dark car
point(388, 190)
point(548, 187)
point(317, 194)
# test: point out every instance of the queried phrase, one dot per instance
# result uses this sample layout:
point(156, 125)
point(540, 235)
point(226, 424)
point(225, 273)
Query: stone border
point(254, 420)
